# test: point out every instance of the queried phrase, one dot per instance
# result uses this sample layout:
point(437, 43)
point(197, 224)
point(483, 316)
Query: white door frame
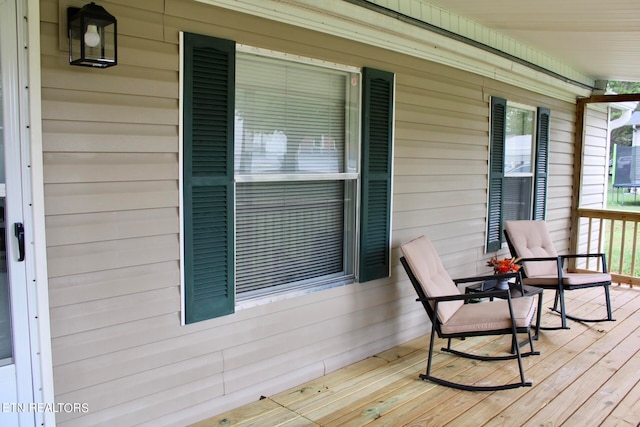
point(27, 95)
point(17, 376)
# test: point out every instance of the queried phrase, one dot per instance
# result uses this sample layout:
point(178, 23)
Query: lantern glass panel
point(92, 37)
point(75, 36)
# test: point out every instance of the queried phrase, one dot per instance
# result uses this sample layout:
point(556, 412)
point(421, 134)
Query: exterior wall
point(111, 144)
point(595, 158)
point(595, 167)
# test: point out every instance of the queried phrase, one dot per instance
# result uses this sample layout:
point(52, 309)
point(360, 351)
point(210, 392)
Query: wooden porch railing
point(614, 233)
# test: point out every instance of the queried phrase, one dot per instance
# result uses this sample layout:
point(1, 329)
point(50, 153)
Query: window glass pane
point(517, 198)
point(519, 141)
point(289, 234)
point(291, 117)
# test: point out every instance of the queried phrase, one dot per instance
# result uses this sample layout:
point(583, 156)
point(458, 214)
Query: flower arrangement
point(503, 266)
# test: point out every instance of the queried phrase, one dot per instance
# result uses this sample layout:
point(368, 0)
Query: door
point(16, 390)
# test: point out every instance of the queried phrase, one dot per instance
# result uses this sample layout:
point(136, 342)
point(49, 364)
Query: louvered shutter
point(496, 173)
point(542, 164)
point(377, 157)
point(209, 74)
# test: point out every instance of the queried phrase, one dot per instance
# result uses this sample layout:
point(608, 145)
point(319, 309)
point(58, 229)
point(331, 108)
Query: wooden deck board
point(625, 410)
point(242, 416)
point(586, 375)
point(613, 390)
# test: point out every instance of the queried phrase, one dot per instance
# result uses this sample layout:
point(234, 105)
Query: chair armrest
point(561, 258)
point(465, 297)
point(548, 258)
point(599, 255)
point(593, 255)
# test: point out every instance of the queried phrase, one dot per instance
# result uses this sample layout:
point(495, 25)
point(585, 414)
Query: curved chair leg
point(474, 387)
point(565, 315)
point(583, 320)
point(430, 355)
point(558, 300)
point(490, 358)
point(608, 302)
point(517, 355)
point(459, 386)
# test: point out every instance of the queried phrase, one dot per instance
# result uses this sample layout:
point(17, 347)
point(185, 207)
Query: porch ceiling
point(600, 38)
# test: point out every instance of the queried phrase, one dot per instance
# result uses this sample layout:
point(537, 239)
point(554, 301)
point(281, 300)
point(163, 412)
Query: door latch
point(18, 230)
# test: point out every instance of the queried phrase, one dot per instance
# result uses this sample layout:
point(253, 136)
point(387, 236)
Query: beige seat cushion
point(426, 265)
point(488, 316)
point(568, 279)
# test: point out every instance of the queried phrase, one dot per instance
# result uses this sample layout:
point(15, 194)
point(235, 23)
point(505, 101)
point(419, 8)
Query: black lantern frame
point(93, 36)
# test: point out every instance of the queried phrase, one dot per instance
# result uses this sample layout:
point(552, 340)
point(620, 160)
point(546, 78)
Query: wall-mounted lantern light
point(92, 36)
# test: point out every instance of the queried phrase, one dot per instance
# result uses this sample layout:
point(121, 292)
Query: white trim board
point(37, 272)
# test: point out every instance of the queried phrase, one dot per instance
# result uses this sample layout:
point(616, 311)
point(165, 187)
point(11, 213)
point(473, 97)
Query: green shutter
point(542, 165)
point(496, 173)
point(209, 83)
point(377, 157)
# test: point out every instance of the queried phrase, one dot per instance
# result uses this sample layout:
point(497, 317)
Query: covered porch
point(108, 271)
point(584, 376)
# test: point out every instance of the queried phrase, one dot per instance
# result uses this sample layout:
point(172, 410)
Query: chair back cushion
point(427, 267)
point(531, 239)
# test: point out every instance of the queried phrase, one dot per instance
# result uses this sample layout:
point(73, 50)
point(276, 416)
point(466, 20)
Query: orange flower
point(503, 266)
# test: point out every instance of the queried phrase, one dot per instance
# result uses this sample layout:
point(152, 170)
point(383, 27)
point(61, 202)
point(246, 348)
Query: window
point(286, 181)
point(518, 165)
point(296, 172)
point(519, 162)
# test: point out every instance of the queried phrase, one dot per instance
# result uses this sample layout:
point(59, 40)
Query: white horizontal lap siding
point(310, 345)
point(101, 226)
point(440, 163)
point(595, 175)
point(96, 137)
point(89, 345)
point(165, 377)
point(594, 160)
point(91, 286)
point(111, 142)
point(109, 167)
point(561, 169)
point(111, 198)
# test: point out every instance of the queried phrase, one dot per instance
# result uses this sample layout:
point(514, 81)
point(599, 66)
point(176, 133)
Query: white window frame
point(351, 173)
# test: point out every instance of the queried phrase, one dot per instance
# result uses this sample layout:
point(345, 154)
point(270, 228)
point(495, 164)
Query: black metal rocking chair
point(544, 268)
point(451, 317)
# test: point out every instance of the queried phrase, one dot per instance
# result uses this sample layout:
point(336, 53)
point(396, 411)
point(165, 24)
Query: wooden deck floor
point(586, 376)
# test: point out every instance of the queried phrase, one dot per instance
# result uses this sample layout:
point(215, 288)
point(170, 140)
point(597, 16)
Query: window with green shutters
point(273, 180)
point(518, 164)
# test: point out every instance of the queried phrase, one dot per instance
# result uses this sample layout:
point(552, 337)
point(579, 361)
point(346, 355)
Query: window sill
point(294, 293)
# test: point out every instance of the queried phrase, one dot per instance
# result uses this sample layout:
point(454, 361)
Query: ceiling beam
point(625, 97)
